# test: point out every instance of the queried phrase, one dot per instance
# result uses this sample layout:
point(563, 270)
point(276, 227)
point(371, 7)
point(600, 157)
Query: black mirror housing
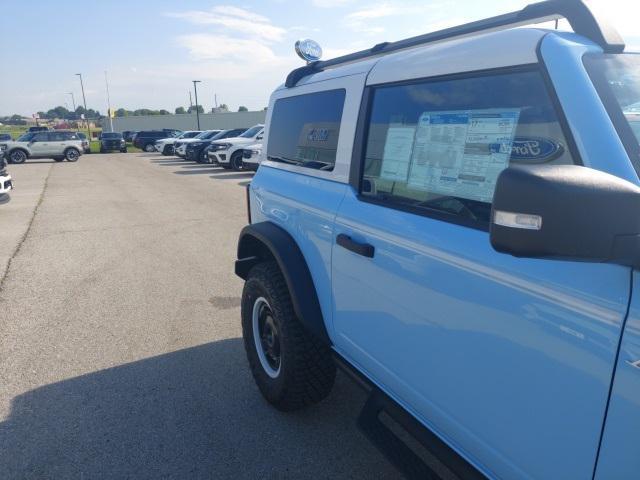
point(566, 212)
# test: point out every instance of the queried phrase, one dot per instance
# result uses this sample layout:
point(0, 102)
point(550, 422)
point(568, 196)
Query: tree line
point(64, 113)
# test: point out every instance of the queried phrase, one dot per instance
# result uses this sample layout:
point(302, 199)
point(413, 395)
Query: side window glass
point(40, 137)
point(304, 130)
point(439, 146)
point(57, 136)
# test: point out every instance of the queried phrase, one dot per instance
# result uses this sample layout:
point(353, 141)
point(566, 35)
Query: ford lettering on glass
point(309, 50)
point(535, 150)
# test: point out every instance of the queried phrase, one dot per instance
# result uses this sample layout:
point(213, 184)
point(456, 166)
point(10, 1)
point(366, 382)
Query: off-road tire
point(307, 371)
point(71, 154)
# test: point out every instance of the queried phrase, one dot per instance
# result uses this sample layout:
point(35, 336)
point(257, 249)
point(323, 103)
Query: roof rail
point(580, 15)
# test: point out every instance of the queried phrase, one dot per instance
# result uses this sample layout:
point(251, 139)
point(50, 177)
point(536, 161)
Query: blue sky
point(152, 49)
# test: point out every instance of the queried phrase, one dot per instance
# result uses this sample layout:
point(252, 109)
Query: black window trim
point(362, 131)
point(303, 168)
point(629, 140)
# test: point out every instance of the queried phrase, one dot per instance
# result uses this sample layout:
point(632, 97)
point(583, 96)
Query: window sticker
point(397, 153)
point(461, 153)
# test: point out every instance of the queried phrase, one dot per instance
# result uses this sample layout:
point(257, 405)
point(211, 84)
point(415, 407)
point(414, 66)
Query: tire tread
point(308, 371)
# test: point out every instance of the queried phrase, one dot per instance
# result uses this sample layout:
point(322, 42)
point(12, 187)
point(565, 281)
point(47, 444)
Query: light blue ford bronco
point(454, 220)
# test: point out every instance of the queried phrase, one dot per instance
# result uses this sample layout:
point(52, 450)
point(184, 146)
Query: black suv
point(145, 140)
point(112, 141)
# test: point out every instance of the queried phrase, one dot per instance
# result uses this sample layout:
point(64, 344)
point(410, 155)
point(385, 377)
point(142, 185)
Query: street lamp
point(84, 100)
point(73, 101)
point(108, 102)
point(195, 89)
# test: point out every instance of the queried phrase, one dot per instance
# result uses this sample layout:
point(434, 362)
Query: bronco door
point(509, 360)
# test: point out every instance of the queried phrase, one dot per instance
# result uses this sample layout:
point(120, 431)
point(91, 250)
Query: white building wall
point(208, 121)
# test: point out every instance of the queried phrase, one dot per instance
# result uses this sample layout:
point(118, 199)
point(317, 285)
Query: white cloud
point(207, 46)
point(370, 19)
point(235, 19)
point(331, 3)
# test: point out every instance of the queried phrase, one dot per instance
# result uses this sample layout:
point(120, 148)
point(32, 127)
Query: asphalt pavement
point(120, 348)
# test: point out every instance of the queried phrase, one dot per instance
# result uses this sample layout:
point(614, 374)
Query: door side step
point(410, 446)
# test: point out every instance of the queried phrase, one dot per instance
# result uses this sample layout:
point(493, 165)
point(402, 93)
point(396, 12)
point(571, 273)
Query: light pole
point(108, 102)
point(73, 101)
point(195, 90)
point(84, 100)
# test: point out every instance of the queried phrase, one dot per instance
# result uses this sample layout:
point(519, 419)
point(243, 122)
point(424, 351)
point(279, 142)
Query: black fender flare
point(267, 241)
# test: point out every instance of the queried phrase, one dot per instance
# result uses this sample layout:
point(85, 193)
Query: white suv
point(6, 183)
point(59, 145)
point(228, 152)
point(165, 145)
point(252, 156)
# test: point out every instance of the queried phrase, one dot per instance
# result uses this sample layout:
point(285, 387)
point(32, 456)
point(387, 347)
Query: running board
point(411, 447)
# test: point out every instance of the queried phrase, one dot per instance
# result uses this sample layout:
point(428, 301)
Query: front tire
point(236, 161)
point(71, 155)
point(149, 148)
point(17, 156)
point(291, 367)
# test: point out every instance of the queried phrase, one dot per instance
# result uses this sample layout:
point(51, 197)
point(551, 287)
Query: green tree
point(192, 109)
point(165, 112)
point(242, 108)
point(180, 111)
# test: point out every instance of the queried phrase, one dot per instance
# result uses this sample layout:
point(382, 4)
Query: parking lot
point(120, 344)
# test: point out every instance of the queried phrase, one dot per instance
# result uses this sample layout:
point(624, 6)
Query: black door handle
point(364, 249)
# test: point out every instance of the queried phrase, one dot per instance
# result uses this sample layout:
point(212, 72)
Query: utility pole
point(190, 101)
point(73, 101)
point(108, 102)
point(84, 100)
point(195, 89)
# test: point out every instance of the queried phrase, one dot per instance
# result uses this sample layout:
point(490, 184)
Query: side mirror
point(566, 212)
point(260, 137)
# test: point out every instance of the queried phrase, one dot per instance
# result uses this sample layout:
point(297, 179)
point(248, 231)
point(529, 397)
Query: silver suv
point(59, 145)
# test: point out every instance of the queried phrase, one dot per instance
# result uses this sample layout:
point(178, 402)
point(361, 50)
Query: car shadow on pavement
point(234, 176)
point(174, 163)
point(34, 162)
point(192, 172)
point(193, 413)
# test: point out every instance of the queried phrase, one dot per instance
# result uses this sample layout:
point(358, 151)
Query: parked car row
point(236, 148)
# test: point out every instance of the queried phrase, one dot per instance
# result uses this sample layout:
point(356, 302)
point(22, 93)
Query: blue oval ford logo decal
point(535, 150)
point(308, 49)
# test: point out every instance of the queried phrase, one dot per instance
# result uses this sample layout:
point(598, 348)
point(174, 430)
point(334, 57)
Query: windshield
point(26, 137)
point(617, 79)
point(190, 134)
point(252, 132)
point(111, 135)
point(219, 135)
point(203, 135)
